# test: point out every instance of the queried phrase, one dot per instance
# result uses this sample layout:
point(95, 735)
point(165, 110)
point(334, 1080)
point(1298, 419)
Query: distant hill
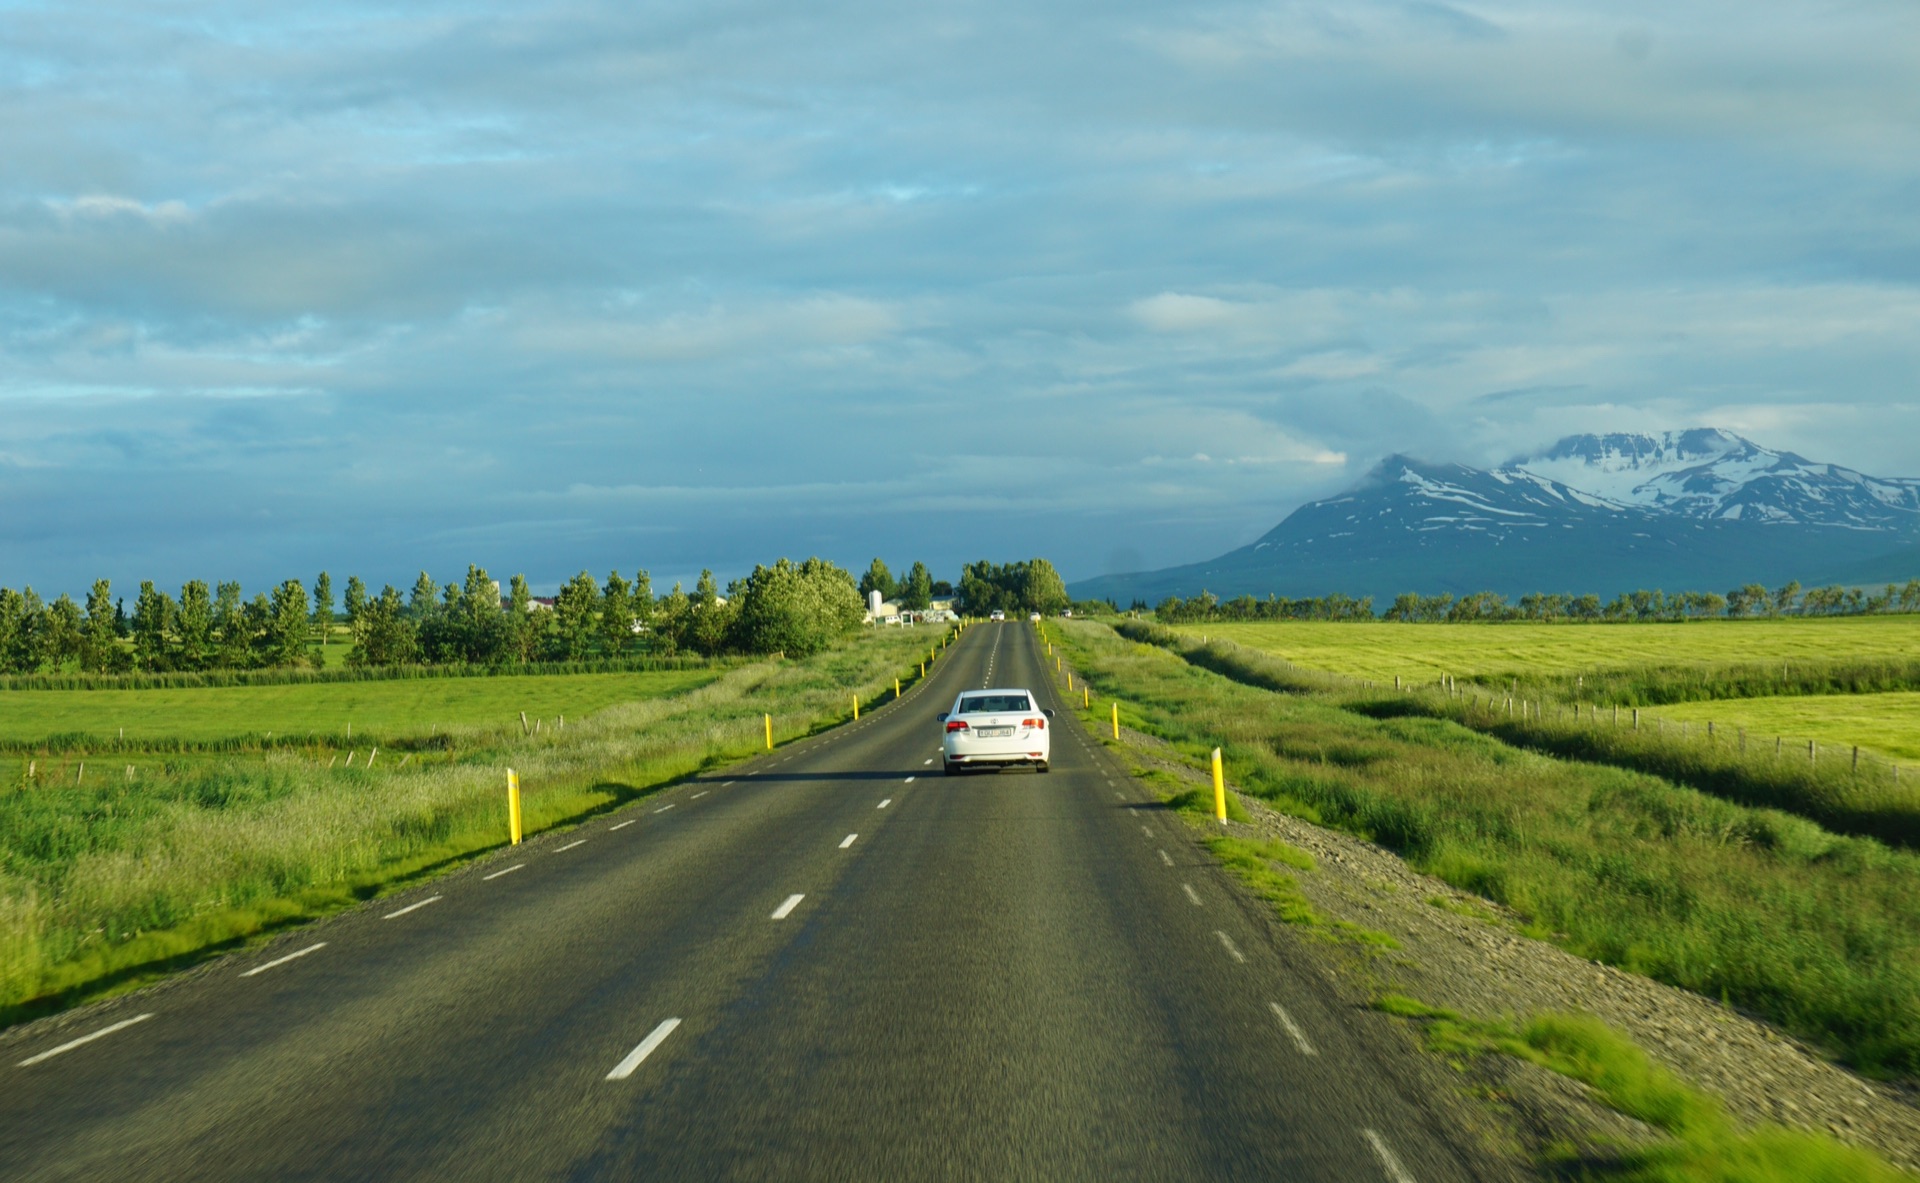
point(1698, 510)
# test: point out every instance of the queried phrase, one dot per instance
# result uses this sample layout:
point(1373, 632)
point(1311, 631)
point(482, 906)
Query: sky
point(545, 288)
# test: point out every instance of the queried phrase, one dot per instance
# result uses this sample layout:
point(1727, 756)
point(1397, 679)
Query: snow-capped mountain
point(1697, 510)
point(1709, 473)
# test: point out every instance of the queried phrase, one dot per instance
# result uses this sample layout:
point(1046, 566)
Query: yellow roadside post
point(856, 706)
point(769, 720)
point(1219, 790)
point(896, 688)
point(1116, 720)
point(513, 806)
point(1086, 697)
point(923, 669)
point(1069, 681)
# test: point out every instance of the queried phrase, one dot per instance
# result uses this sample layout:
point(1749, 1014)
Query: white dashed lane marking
point(654, 1039)
point(1395, 1171)
point(1233, 950)
point(68, 1046)
point(623, 825)
point(847, 841)
point(569, 846)
point(663, 809)
point(884, 804)
point(1293, 1029)
point(313, 948)
point(1166, 858)
point(700, 794)
point(1191, 893)
point(508, 871)
point(786, 909)
point(411, 907)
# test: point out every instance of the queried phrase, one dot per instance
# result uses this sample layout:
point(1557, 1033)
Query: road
point(831, 963)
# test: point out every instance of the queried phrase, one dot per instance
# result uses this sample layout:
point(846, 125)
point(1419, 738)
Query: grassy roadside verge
point(1868, 800)
point(104, 886)
point(1818, 932)
point(1702, 1145)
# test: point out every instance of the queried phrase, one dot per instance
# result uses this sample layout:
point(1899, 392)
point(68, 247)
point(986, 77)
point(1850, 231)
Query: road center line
point(1293, 1029)
point(1147, 830)
point(663, 809)
point(569, 846)
point(909, 781)
point(1191, 893)
point(884, 804)
point(1166, 858)
point(728, 785)
point(434, 899)
point(785, 910)
point(925, 762)
point(508, 871)
point(283, 960)
point(68, 1046)
point(654, 1039)
point(847, 841)
point(1233, 950)
point(623, 825)
point(1395, 1171)
point(700, 794)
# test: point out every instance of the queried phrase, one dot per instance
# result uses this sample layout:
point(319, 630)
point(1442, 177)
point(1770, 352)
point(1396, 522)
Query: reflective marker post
point(856, 707)
point(769, 719)
point(513, 807)
point(1219, 790)
point(1116, 720)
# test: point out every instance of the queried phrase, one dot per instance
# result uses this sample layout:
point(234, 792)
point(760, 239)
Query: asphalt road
point(832, 963)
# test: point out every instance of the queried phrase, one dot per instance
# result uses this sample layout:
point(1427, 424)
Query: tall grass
point(1865, 797)
point(1668, 684)
point(103, 883)
point(1818, 932)
point(184, 679)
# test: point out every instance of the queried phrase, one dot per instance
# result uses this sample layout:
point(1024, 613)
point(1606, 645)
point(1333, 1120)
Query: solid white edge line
point(569, 846)
point(623, 825)
point(1293, 1029)
point(664, 808)
point(68, 1046)
point(283, 960)
point(508, 871)
point(1226, 942)
point(1395, 1171)
point(847, 841)
point(786, 909)
point(1191, 893)
point(654, 1039)
point(884, 804)
point(410, 907)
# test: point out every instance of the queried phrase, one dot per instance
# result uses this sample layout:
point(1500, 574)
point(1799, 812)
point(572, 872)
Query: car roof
point(996, 690)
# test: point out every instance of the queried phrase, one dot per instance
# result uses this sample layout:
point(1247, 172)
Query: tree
point(796, 610)
point(573, 616)
point(616, 615)
point(641, 599)
point(356, 598)
point(672, 616)
point(710, 620)
point(153, 614)
point(878, 579)
point(523, 631)
point(1784, 598)
point(916, 592)
point(23, 628)
point(287, 632)
point(420, 604)
point(193, 628)
point(97, 647)
point(230, 622)
point(1043, 591)
point(382, 633)
point(66, 632)
point(323, 607)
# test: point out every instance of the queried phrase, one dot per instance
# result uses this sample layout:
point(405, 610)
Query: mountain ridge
point(1704, 509)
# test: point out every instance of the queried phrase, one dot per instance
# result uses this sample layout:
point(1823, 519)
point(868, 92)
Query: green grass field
point(1423, 652)
point(1888, 725)
point(373, 708)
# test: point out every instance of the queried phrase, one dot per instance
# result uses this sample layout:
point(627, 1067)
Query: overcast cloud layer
point(294, 286)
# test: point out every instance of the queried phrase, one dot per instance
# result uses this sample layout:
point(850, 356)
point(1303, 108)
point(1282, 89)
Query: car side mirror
point(941, 717)
point(1048, 714)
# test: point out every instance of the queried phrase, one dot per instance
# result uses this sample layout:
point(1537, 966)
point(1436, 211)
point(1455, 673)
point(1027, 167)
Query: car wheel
point(1043, 768)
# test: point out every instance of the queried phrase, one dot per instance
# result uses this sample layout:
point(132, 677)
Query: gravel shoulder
point(1466, 954)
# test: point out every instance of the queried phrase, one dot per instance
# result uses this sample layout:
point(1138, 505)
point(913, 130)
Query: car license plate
point(996, 732)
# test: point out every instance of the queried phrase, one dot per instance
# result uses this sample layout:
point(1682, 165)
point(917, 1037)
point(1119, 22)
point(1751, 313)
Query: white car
point(996, 614)
point(995, 729)
point(1033, 616)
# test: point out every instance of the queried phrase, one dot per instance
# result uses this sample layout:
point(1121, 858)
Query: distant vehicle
point(996, 614)
point(995, 729)
point(1033, 616)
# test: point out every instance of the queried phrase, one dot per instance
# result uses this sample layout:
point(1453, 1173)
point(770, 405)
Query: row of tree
point(1750, 601)
point(914, 591)
point(1032, 586)
point(795, 608)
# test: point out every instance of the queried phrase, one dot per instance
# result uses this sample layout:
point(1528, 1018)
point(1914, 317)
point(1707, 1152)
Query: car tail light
point(1036, 724)
point(955, 725)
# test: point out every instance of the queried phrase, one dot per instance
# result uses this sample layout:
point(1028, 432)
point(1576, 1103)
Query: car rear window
point(975, 704)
